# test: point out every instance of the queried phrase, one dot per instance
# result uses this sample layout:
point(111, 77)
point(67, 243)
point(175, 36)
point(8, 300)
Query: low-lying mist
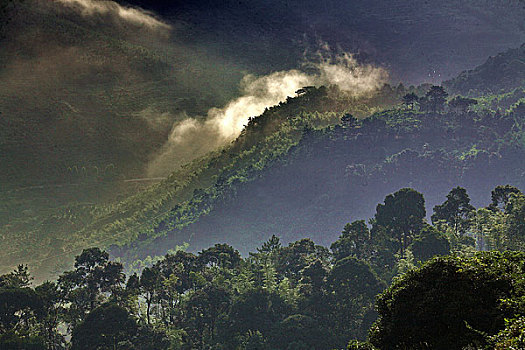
point(194, 136)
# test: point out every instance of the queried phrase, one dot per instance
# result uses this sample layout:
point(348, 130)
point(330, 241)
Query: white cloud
point(131, 15)
point(194, 137)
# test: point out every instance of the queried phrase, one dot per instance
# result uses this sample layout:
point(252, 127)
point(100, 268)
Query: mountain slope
point(267, 140)
point(502, 72)
point(338, 174)
point(293, 172)
point(92, 90)
point(87, 100)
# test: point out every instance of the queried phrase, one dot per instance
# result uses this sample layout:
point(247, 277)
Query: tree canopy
point(295, 296)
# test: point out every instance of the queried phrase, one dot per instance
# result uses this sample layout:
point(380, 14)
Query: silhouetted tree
point(349, 120)
point(93, 281)
point(500, 196)
point(202, 311)
point(455, 211)
point(19, 278)
point(353, 241)
point(108, 326)
point(450, 303)
point(297, 255)
point(434, 99)
point(401, 215)
point(353, 286)
point(221, 255)
point(429, 243)
point(515, 239)
point(410, 100)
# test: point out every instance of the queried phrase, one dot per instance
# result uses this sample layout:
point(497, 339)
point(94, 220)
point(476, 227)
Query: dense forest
point(445, 291)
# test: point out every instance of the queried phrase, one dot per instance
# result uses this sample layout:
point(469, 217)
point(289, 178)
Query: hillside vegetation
point(300, 169)
point(499, 74)
point(70, 228)
point(301, 295)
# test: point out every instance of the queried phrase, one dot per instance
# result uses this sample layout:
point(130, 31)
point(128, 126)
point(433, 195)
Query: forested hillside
point(299, 295)
point(341, 171)
point(86, 101)
point(70, 228)
point(300, 169)
point(499, 74)
point(262, 175)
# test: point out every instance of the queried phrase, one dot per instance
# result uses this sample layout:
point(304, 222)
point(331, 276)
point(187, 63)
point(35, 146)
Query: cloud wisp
point(193, 137)
point(135, 16)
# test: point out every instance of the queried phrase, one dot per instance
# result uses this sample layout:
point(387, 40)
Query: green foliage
point(257, 310)
point(297, 256)
point(106, 327)
point(357, 345)
point(501, 196)
point(410, 100)
point(19, 278)
point(429, 243)
point(18, 307)
point(353, 241)
point(425, 147)
point(450, 302)
point(85, 287)
point(502, 72)
point(253, 341)
point(189, 193)
point(203, 309)
point(516, 222)
point(401, 216)
point(352, 286)
point(455, 211)
point(461, 105)
point(12, 341)
point(434, 100)
point(512, 336)
point(298, 296)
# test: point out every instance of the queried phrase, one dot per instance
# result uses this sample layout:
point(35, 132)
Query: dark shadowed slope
point(501, 72)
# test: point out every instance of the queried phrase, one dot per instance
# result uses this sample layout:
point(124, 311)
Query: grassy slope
point(77, 93)
point(69, 126)
point(84, 106)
